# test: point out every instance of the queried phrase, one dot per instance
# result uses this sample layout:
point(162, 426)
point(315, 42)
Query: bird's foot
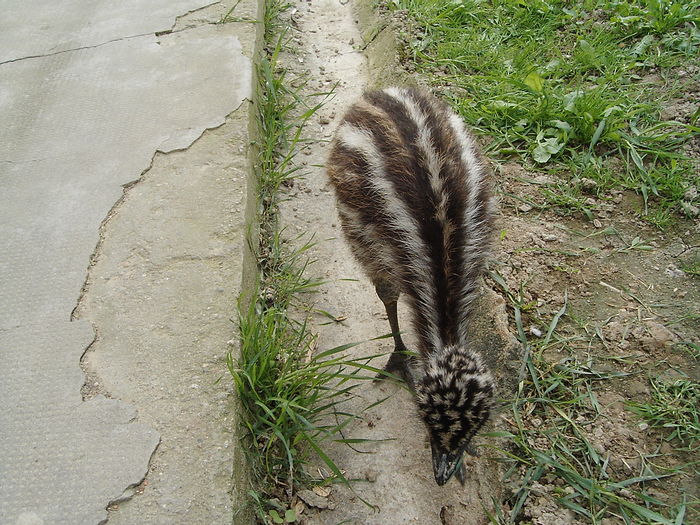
point(399, 365)
point(461, 472)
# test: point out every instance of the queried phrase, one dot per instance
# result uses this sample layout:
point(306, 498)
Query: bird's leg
point(400, 359)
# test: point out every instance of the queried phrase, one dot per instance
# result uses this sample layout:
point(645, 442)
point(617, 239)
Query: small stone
point(673, 271)
point(610, 521)
point(614, 331)
point(314, 500)
point(525, 208)
point(299, 507)
point(321, 491)
point(597, 223)
point(324, 120)
point(550, 237)
point(659, 337)
point(543, 179)
point(535, 331)
point(638, 388)
point(588, 184)
point(690, 194)
point(690, 209)
point(667, 448)
point(537, 241)
point(448, 515)
point(643, 426)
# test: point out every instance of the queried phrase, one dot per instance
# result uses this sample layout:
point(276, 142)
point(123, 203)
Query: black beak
point(448, 464)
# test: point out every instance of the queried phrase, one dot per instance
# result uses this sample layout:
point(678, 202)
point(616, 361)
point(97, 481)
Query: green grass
point(691, 265)
point(693, 349)
point(576, 88)
point(550, 418)
point(291, 395)
point(675, 407)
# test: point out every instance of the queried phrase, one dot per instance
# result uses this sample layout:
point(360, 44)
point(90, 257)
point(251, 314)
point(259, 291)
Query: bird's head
point(454, 399)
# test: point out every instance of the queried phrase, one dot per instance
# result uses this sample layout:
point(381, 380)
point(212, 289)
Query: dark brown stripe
point(448, 262)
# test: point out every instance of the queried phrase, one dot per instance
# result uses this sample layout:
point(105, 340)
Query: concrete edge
point(243, 513)
point(380, 45)
point(250, 269)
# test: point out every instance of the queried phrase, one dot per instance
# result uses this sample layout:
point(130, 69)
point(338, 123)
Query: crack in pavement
point(158, 33)
point(126, 188)
point(46, 55)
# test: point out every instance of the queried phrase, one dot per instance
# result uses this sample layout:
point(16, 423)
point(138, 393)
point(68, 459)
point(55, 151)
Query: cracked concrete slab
point(81, 122)
point(34, 28)
point(97, 116)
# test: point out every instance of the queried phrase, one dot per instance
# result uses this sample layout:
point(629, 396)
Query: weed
point(567, 199)
point(635, 244)
point(229, 17)
point(290, 395)
point(280, 131)
point(289, 516)
point(691, 265)
point(659, 217)
point(692, 349)
point(674, 406)
point(550, 417)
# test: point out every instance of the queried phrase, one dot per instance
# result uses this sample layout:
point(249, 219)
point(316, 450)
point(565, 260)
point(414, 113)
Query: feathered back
point(415, 204)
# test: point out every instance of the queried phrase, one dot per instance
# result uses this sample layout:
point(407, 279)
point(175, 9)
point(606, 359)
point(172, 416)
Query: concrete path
point(121, 242)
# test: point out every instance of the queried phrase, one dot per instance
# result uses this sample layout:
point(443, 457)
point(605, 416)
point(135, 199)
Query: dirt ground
point(628, 306)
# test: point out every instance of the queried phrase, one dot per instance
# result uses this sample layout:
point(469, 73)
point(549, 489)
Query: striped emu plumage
point(415, 204)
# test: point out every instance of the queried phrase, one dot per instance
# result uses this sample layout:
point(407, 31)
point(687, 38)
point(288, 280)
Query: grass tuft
point(674, 406)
